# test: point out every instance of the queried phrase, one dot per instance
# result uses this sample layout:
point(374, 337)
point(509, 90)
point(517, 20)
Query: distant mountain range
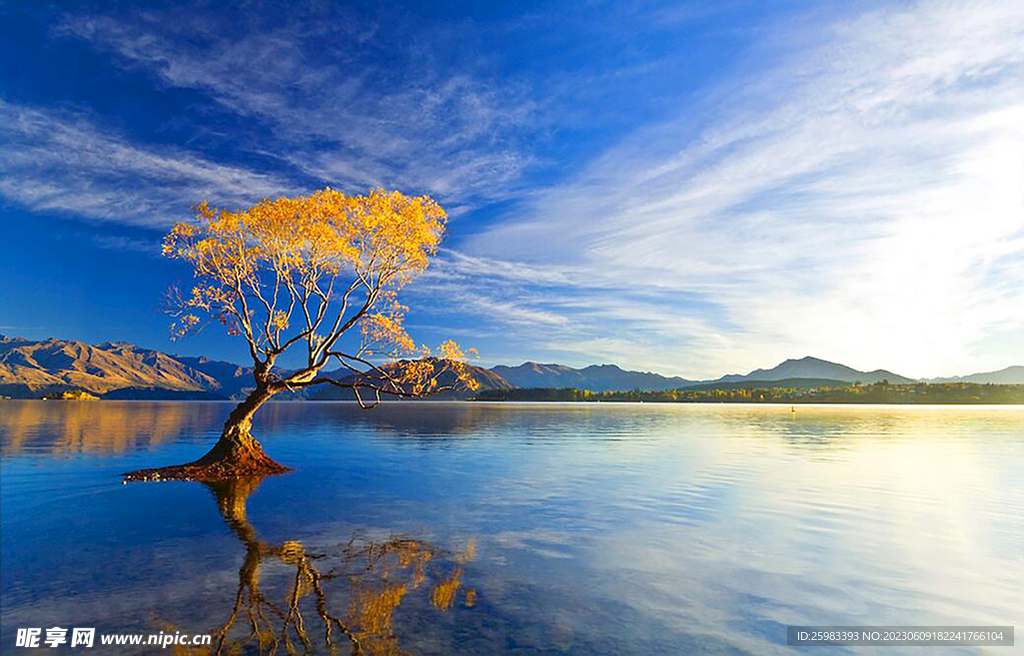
point(31, 369)
point(485, 379)
point(815, 368)
point(1009, 376)
point(596, 377)
point(118, 370)
point(610, 378)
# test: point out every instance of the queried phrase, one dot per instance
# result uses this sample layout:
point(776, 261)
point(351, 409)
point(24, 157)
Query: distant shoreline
point(785, 393)
point(757, 403)
point(406, 402)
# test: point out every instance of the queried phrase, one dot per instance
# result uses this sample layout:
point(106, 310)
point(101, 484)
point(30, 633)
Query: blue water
point(480, 528)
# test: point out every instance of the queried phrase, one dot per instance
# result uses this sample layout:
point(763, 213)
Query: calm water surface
point(470, 528)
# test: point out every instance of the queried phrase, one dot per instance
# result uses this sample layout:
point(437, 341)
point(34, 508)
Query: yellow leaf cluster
point(381, 233)
point(382, 238)
point(383, 332)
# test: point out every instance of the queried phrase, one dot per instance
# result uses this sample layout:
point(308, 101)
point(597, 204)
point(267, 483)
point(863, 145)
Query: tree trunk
point(236, 453)
point(236, 445)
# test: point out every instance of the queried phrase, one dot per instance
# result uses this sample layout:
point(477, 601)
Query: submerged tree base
point(217, 471)
point(236, 455)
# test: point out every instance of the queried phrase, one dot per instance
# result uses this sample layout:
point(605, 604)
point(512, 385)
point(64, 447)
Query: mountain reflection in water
point(102, 426)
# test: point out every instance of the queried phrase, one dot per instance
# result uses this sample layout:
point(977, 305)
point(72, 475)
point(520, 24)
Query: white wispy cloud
point(863, 201)
point(342, 119)
point(53, 160)
point(569, 315)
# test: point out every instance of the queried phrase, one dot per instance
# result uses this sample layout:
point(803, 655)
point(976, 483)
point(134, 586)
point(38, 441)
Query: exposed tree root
point(236, 455)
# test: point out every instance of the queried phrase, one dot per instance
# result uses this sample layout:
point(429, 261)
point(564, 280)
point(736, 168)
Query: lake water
point(472, 528)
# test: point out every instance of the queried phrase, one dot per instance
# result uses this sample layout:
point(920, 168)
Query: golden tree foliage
point(311, 269)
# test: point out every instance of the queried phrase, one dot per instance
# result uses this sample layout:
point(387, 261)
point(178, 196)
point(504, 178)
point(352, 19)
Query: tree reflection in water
point(377, 576)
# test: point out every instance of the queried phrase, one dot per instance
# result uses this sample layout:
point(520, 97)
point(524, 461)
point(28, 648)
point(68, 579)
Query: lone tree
point(318, 273)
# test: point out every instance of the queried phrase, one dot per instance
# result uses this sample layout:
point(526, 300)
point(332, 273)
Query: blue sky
point(692, 188)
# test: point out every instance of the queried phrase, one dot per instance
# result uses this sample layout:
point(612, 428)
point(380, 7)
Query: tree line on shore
point(781, 392)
